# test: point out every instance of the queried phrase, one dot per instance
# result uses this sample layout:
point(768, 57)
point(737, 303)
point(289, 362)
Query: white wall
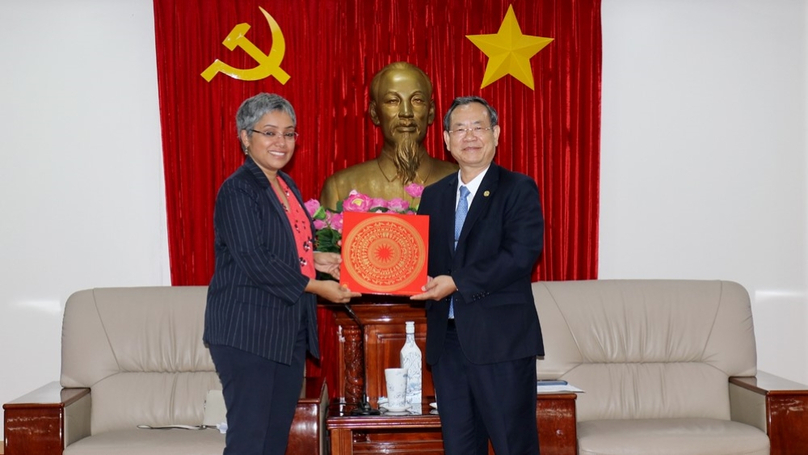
point(704, 155)
point(82, 200)
point(703, 161)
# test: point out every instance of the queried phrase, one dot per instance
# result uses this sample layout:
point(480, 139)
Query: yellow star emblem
point(509, 51)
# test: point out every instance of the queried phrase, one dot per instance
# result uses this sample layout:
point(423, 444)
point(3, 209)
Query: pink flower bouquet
point(328, 223)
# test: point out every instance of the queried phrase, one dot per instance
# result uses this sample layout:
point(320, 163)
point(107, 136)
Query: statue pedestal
point(384, 320)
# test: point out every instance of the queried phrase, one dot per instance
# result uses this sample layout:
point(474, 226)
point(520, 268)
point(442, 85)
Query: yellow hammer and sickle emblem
point(268, 65)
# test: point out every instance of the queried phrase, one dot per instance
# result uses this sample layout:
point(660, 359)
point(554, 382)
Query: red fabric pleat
point(333, 48)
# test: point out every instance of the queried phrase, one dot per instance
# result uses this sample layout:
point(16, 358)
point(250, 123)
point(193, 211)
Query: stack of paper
point(555, 386)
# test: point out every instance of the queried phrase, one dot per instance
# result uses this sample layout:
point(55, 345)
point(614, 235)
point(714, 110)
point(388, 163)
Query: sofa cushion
point(126, 400)
point(670, 437)
point(153, 442)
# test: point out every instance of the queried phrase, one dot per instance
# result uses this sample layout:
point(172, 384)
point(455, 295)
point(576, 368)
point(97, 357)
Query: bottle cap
point(410, 326)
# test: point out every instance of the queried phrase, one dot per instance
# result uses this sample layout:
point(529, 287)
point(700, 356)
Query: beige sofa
point(134, 357)
point(668, 367)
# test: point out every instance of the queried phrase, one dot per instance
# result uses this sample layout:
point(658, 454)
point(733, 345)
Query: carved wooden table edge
point(557, 429)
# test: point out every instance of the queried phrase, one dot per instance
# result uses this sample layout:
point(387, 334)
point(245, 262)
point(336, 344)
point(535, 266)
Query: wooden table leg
point(342, 441)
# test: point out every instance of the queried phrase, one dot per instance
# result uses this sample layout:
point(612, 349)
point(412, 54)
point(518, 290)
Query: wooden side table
point(421, 434)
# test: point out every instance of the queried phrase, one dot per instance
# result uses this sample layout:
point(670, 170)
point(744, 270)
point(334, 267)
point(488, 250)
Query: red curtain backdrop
point(332, 50)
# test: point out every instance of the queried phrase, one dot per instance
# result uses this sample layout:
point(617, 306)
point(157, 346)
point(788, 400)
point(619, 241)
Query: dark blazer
point(500, 243)
point(256, 298)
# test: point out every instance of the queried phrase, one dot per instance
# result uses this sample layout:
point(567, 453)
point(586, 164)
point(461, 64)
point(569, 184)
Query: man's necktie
point(460, 218)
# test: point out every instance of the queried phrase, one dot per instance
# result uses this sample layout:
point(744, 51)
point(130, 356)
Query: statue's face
point(403, 107)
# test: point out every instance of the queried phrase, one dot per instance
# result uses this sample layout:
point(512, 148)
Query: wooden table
point(382, 434)
point(384, 319)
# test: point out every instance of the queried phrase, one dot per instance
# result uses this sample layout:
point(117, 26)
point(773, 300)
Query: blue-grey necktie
point(460, 218)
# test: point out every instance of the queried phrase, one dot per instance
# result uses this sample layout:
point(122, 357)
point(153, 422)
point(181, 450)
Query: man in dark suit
point(483, 332)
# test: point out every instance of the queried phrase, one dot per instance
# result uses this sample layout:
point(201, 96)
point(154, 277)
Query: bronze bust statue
point(401, 104)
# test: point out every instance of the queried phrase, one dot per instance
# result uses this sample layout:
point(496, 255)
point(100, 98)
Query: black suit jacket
point(256, 299)
point(500, 243)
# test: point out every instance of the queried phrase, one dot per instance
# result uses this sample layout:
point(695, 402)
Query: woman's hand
point(327, 263)
point(331, 290)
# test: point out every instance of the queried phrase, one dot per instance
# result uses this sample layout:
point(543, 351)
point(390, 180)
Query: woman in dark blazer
point(260, 317)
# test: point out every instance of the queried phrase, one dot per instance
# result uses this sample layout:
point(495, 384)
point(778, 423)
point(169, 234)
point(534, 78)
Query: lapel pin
point(486, 193)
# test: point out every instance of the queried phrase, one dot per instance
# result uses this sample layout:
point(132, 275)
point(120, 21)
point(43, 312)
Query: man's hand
point(436, 288)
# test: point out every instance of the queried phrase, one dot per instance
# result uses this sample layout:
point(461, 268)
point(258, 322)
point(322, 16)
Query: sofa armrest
point(307, 434)
point(46, 420)
point(777, 406)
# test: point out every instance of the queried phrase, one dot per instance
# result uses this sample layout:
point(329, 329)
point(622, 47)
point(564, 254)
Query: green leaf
point(327, 240)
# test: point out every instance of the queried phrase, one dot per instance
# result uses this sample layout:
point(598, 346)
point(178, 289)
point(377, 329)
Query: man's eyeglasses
point(475, 130)
point(288, 136)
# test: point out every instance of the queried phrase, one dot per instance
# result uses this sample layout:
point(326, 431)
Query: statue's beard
point(407, 160)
